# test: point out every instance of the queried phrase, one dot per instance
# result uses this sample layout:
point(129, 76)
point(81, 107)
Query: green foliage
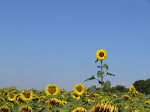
point(107, 85)
point(105, 66)
point(118, 88)
point(110, 74)
point(91, 78)
point(100, 73)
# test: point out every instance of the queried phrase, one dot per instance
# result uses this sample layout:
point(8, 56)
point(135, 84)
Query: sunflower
point(35, 98)
point(53, 101)
point(18, 99)
point(135, 110)
point(25, 108)
point(2, 100)
point(79, 89)
point(63, 102)
point(5, 92)
point(40, 92)
point(101, 54)
point(91, 96)
point(79, 109)
point(114, 96)
point(135, 93)
point(126, 97)
point(11, 96)
point(41, 98)
point(146, 102)
point(51, 90)
point(26, 95)
point(104, 107)
point(75, 96)
point(128, 107)
point(132, 88)
point(9, 104)
point(4, 109)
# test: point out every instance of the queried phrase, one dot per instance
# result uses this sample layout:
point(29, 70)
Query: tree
point(142, 86)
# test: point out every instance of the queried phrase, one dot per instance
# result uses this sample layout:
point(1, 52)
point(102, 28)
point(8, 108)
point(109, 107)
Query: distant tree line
point(142, 86)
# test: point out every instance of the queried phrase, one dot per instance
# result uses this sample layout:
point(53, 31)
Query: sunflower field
point(52, 99)
point(80, 99)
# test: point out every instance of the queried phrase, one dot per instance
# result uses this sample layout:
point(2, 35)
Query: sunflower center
point(101, 54)
point(11, 96)
point(79, 88)
point(52, 90)
point(5, 110)
point(27, 95)
point(2, 99)
point(26, 109)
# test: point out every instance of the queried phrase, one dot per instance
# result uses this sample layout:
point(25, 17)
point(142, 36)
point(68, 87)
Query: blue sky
point(55, 42)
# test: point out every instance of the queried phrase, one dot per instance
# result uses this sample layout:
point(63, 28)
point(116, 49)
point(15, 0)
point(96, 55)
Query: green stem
point(101, 77)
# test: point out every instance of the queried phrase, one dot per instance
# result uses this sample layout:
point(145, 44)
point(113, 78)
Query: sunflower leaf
point(96, 61)
point(99, 73)
point(110, 74)
point(98, 66)
point(91, 78)
point(105, 66)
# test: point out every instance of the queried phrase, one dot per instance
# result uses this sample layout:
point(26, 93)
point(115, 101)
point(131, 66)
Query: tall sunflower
point(101, 54)
point(11, 96)
point(51, 90)
point(5, 109)
point(79, 89)
point(25, 108)
point(26, 95)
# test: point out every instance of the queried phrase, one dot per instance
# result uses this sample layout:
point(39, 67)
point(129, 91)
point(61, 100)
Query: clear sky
point(55, 42)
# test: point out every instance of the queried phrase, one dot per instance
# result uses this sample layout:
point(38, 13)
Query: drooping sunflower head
point(79, 109)
point(146, 102)
point(25, 108)
point(26, 95)
point(101, 54)
point(104, 107)
point(11, 96)
point(79, 89)
point(132, 88)
point(135, 110)
point(51, 89)
point(135, 93)
point(128, 107)
point(53, 101)
point(4, 109)
point(91, 97)
point(126, 97)
point(114, 96)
